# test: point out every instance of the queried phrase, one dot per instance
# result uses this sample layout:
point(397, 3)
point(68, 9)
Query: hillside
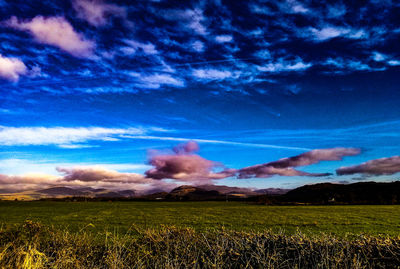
point(329, 193)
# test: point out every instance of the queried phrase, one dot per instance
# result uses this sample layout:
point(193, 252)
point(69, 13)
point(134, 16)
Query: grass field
point(202, 216)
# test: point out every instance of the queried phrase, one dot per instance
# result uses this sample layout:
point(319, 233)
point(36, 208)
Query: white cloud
point(19, 136)
point(11, 68)
point(283, 65)
point(55, 31)
point(378, 57)
point(24, 166)
point(258, 9)
point(147, 48)
point(394, 62)
point(347, 64)
point(293, 6)
point(157, 80)
point(198, 46)
point(329, 32)
point(192, 19)
point(223, 38)
point(211, 74)
point(210, 141)
point(97, 12)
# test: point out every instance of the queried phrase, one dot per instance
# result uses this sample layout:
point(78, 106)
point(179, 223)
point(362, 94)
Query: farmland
point(118, 217)
point(196, 235)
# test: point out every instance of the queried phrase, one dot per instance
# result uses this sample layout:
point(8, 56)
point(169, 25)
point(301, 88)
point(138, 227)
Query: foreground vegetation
point(32, 245)
point(202, 216)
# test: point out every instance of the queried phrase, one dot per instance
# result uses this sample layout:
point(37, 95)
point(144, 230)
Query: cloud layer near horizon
point(174, 167)
point(284, 167)
point(382, 166)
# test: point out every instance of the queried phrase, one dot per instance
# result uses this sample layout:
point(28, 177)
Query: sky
point(150, 95)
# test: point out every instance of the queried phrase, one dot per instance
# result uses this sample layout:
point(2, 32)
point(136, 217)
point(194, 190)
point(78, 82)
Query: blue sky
point(102, 83)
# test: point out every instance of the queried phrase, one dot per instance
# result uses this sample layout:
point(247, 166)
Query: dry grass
point(35, 246)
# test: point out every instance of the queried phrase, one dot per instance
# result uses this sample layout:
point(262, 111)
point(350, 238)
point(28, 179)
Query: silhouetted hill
point(61, 191)
point(329, 193)
point(272, 191)
point(193, 193)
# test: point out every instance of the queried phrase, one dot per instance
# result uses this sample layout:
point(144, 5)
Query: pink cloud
point(96, 13)
point(183, 165)
point(11, 68)
point(55, 31)
point(382, 166)
point(284, 167)
point(186, 148)
point(99, 174)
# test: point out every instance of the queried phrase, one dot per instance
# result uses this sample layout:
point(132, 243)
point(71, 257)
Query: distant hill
point(202, 193)
point(63, 192)
point(322, 193)
point(272, 191)
point(56, 191)
point(329, 193)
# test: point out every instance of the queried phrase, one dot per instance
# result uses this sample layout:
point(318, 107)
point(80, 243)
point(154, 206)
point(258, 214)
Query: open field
point(202, 216)
point(32, 245)
point(190, 235)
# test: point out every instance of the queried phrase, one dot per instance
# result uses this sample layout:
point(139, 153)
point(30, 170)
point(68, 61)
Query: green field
point(203, 216)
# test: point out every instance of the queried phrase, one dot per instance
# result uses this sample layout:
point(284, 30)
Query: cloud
point(378, 57)
point(183, 165)
point(350, 65)
point(284, 167)
point(134, 46)
point(284, 66)
point(328, 32)
point(394, 62)
point(20, 136)
point(337, 10)
point(37, 166)
point(212, 74)
point(192, 19)
point(198, 46)
point(11, 68)
point(211, 141)
point(293, 6)
point(100, 174)
point(55, 31)
point(382, 166)
point(157, 80)
point(32, 178)
point(223, 38)
point(85, 176)
point(96, 12)
point(186, 148)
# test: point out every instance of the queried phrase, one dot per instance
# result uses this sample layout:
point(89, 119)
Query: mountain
point(64, 191)
point(330, 193)
point(186, 192)
point(205, 192)
point(356, 193)
point(272, 191)
point(228, 190)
